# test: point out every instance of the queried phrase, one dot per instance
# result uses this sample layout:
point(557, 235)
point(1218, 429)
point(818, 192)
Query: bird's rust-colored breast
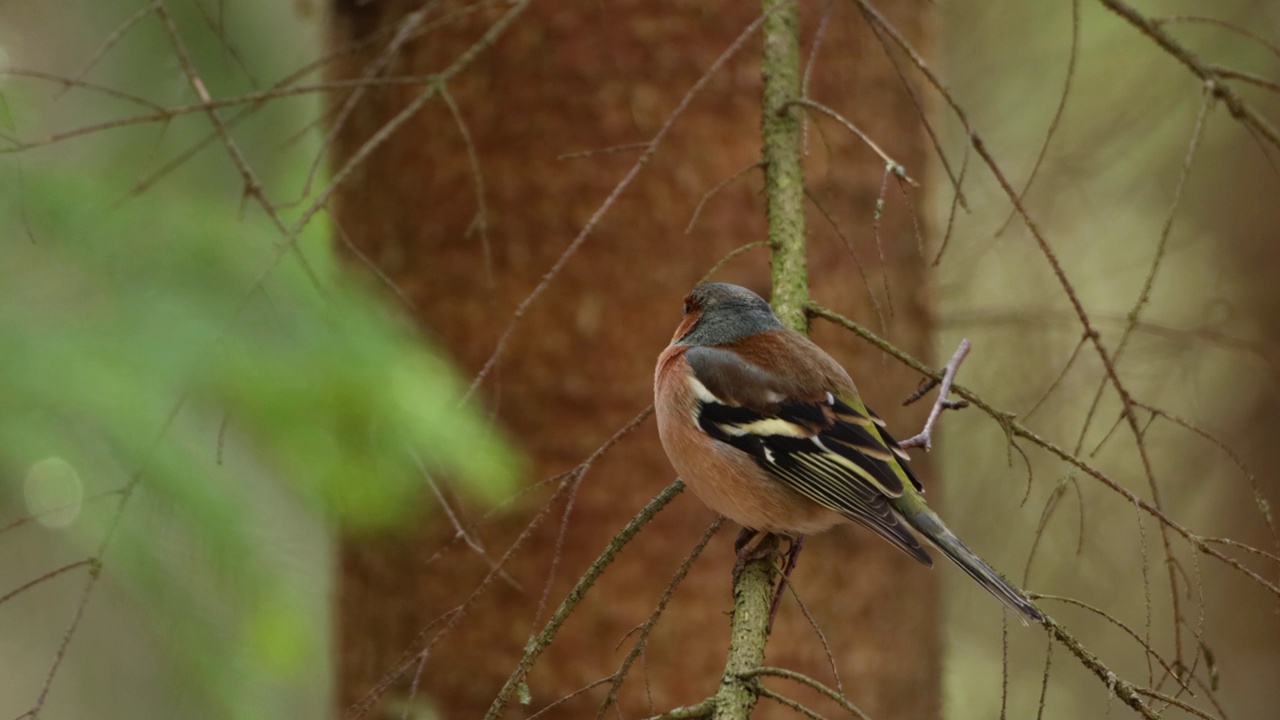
point(728, 480)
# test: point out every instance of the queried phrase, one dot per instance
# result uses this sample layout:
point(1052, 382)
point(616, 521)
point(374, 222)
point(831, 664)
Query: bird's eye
point(687, 307)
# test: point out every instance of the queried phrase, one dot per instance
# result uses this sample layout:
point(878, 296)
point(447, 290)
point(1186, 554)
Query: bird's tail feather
point(932, 527)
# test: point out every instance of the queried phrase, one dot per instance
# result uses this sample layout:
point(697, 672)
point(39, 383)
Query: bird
point(768, 430)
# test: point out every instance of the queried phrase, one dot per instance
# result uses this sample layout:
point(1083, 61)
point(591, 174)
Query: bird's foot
point(749, 546)
point(788, 564)
point(745, 536)
point(753, 545)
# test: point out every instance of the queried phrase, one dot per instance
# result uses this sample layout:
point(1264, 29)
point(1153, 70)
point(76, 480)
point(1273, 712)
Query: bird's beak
point(686, 325)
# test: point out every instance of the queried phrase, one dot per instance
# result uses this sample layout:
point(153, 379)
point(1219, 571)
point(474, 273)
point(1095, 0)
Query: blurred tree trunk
point(591, 76)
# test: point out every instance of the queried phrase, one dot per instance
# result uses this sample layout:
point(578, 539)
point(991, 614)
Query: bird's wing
point(833, 451)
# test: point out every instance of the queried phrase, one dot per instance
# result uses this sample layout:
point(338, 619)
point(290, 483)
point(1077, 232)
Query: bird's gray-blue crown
point(726, 313)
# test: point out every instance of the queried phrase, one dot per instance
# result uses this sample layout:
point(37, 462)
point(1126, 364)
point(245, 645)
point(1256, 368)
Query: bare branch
point(647, 626)
point(538, 644)
point(252, 185)
point(477, 178)
point(421, 644)
point(697, 210)
point(1127, 692)
point(1202, 20)
point(1146, 646)
point(740, 250)
point(788, 702)
point(893, 166)
point(91, 562)
point(692, 712)
point(1240, 110)
point(112, 39)
point(1015, 428)
point(853, 253)
point(1057, 114)
point(925, 438)
point(803, 679)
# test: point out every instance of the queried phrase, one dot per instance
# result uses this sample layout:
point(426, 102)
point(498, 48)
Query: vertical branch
point(783, 173)
point(784, 197)
point(752, 597)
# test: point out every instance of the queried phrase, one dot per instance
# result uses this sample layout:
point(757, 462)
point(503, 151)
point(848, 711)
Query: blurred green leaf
point(153, 350)
point(115, 317)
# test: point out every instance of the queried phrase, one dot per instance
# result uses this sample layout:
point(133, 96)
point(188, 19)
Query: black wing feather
point(805, 462)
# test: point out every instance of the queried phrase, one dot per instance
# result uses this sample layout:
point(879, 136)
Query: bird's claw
point(751, 545)
point(788, 564)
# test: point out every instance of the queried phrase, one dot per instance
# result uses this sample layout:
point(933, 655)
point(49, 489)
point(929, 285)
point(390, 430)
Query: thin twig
point(501, 345)
point(110, 41)
point(1237, 29)
point(822, 637)
point(417, 647)
point(1057, 114)
point(691, 712)
point(1126, 691)
point(46, 576)
point(1240, 110)
point(647, 626)
point(1062, 374)
point(252, 185)
point(405, 30)
point(1148, 650)
point(853, 254)
point(68, 83)
point(876, 215)
point(477, 177)
point(957, 197)
point(626, 147)
point(542, 641)
point(697, 210)
point(1144, 295)
point(788, 702)
point(894, 166)
point(741, 250)
point(803, 679)
point(95, 571)
point(25, 519)
point(1014, 428)
point(560, 701)
point(818, 35)
point(925, 438)
point(460, 531)
point(1175, 701)
point(1248, 77)
point(1044, 680)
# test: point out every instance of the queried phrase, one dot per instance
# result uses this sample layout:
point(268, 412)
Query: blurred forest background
point(234, 456)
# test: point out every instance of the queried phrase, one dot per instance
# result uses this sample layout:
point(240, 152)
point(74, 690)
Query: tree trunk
point(580, 362)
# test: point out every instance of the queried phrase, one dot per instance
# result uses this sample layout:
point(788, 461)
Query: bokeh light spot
point(53, 492)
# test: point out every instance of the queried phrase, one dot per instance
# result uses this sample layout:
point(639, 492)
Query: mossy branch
point(783, 168)
point(784, 198)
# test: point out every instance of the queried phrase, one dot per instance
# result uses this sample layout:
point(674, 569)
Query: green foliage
point(175, 378)
point(145, 341)
point(113, 316)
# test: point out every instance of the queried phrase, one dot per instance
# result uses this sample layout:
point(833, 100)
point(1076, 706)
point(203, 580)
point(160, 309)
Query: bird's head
point(720, 313)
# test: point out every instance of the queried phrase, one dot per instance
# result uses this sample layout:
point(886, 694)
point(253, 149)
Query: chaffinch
point(768, 430)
